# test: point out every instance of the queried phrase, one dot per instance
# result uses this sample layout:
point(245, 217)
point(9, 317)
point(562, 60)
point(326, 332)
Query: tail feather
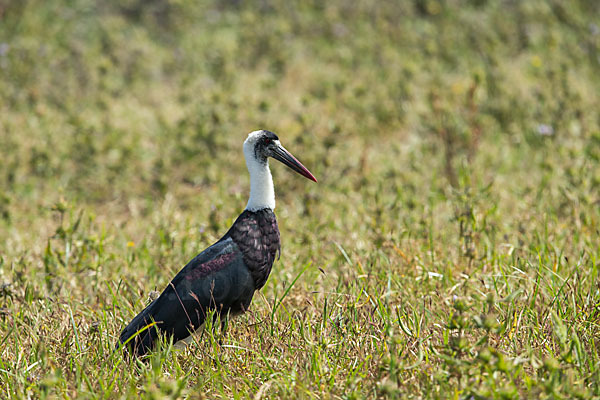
point(140, 334)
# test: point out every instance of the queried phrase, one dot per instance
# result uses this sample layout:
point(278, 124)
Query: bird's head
point(260, 145)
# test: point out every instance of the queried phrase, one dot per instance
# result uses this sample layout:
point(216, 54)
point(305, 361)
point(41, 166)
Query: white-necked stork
point(225, 276)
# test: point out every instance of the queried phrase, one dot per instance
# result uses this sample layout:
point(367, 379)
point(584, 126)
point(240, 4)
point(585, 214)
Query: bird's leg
point(224, 326)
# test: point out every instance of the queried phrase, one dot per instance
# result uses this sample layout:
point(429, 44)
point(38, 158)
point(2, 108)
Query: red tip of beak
point(288, 159)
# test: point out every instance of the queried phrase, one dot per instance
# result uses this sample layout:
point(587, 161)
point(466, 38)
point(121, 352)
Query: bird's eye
point(267, 141)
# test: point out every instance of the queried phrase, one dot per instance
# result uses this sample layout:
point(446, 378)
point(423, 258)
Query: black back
point(222, 278)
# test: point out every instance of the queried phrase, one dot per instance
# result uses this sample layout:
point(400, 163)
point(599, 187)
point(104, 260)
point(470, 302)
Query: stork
point(224, 277)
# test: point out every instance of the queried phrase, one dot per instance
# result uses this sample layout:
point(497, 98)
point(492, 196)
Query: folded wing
point(216, 279)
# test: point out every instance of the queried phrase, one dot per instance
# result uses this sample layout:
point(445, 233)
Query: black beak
point(281, 154)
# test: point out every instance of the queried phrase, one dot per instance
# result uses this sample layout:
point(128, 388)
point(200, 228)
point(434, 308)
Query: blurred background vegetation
point(457, 140)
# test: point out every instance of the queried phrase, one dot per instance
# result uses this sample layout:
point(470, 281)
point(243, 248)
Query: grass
point(450, 250)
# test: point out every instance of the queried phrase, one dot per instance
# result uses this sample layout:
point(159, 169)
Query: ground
point(450, 249)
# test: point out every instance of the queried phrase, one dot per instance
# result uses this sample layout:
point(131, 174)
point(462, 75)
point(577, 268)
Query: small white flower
point(545, 130)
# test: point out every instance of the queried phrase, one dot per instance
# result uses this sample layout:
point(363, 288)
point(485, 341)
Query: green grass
point(451, 248)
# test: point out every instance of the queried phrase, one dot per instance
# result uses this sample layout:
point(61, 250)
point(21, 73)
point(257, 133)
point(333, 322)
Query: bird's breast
point(257, 235)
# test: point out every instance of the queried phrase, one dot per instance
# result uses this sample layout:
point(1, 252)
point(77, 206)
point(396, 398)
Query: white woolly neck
point(262, 193)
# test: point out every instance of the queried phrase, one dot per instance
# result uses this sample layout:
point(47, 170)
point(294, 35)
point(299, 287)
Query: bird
point(223, 278)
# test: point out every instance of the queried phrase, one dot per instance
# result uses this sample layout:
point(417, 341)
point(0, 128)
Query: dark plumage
point(222, 278)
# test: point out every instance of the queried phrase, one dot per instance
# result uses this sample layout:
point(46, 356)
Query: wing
point(216, 279)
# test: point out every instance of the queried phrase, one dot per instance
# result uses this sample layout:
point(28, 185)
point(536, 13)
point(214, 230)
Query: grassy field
point(451, 248)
